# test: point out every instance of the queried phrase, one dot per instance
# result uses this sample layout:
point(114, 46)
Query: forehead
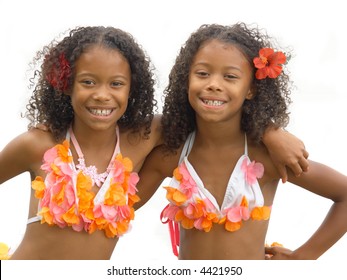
point(220, 51)
point(96, 56)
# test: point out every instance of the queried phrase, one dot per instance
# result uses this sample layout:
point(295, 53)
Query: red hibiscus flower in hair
point(269, 63)
point(59, 74)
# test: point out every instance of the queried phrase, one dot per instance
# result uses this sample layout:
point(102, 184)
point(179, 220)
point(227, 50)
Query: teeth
point(213, 102)
point(100, 112)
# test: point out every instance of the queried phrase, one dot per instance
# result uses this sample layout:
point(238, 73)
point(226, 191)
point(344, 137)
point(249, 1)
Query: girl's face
point(220, 80)
point(101, 88)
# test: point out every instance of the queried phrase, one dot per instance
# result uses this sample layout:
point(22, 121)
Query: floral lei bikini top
point(67, 199)
point(192, 206)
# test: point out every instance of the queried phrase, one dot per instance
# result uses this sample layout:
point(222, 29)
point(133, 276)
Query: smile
point(213, 102)
point(100, 112)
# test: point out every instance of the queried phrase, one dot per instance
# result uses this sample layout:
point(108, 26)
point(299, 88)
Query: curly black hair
point(271, 96)
point(50, 102)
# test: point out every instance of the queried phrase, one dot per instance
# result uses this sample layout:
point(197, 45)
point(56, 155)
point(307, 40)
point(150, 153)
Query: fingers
point(296, 168)
point(300, 165)
point(304, 164)
point(283, 172)
point(269, 253)
point(306, 154)
point(270, 250)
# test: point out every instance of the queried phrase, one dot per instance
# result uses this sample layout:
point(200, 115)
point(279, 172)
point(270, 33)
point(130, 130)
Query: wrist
point(269, 133)
point(303, 255)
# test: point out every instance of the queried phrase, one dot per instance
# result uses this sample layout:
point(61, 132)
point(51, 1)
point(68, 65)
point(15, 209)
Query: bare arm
point(155, 169)
point(331, 184)
point(286, 150)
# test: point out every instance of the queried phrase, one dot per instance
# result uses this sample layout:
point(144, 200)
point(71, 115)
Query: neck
point(87, 137)
point(219, 134)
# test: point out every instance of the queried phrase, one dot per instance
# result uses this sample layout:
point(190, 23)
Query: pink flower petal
point(252, 171)
point(133, 180)
point(238, 213)
point(171, 211)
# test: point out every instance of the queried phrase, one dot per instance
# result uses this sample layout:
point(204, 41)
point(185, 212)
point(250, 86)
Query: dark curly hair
point(268, 106)
point(49, 103)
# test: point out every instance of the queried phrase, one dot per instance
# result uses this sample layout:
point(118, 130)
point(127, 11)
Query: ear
point(250, 94)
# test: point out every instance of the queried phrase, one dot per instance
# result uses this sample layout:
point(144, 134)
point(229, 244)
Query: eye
point(230, 76)
point(88, 82)
point(202, 74)
point(117, 84)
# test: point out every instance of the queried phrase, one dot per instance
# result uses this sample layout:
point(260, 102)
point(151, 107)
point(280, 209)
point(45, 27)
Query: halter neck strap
point(78, 148)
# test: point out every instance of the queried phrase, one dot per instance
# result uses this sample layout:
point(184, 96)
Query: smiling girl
point(95, 93)
point(226, 87)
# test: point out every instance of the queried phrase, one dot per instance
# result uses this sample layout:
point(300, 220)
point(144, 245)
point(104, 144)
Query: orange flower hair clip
point(269, 63)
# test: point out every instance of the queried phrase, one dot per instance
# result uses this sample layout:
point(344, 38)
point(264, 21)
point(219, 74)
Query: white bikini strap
point(34, 219)
point(246, 145)
point(187, 146)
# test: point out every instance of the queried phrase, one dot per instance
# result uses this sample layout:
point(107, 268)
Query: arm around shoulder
point(157, 166)
point(286, 150)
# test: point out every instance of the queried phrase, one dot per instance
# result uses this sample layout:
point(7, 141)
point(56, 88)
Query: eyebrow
point(207, 64)
point(85, 73)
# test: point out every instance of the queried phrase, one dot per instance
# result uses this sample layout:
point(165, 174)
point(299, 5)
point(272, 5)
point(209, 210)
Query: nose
point(102, 93)
point(215, 83)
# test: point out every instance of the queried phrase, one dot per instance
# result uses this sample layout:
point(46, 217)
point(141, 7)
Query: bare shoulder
point(24, 153)
point(153, 139)
point(35, 142)
point(156, 129)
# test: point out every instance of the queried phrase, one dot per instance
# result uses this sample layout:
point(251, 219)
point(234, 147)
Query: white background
point(314, 29)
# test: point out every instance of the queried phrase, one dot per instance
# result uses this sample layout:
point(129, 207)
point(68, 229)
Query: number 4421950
point(214, 270)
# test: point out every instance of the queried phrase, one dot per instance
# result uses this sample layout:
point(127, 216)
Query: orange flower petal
point(92, 227)
point(63, 151)
point(187, 223)
point(70, 216)
point(122, 227)
point(179, 216)
point(261, 213)
point(39, 186)
point(84, 183)
point(222, 220)
point(178, 176)
point(110, 231)
point(128, 165)
point(46, 216)
point(276, 244)
point(175, 196)
point(230, 226)
point(115, 196)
